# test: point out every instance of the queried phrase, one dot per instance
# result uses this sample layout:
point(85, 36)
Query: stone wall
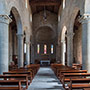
point(78, 45)
point(68, 15)
point(50, 26)
point(25, 13)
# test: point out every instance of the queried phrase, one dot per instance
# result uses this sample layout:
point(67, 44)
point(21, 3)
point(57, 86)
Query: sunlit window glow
point(26, 3)
point(38, 48)
point(51, 49)
point(45, 49)
point(24, 47)
point(64, 2)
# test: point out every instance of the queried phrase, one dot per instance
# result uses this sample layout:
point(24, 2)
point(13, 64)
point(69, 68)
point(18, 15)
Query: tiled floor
point(45, 79)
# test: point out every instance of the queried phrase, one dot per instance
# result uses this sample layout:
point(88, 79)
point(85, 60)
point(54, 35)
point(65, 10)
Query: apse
point(45, 34)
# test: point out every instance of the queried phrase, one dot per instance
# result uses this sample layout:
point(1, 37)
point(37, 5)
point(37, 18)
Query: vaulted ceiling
point(40, 5)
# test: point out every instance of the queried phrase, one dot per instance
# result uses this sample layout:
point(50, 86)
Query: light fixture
point(45, 15)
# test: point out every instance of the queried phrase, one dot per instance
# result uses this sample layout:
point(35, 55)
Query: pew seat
point(11, 85)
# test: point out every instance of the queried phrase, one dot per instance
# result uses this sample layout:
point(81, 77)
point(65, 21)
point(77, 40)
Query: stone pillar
point(27, 53)
point(58, 53)
point(4, 43)
point(20, 51)
point(70, 48)
point(63, 52)
point(32, 53)
point(86, 42)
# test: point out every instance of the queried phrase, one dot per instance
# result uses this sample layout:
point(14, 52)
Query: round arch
point(73, 17)
point(49, 26)
point(19, 34)
point(45, 33)
point(18, 20)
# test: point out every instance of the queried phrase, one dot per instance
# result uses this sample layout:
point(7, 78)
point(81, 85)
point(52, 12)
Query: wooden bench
point(11, 85)
point(71, 71)
point(66, 77)
point(86, 88)
point(64, 68)
point(20, 72)
point(77, 66)
point(23, 77)
point(59, 67)
point(24, 70)
point(34, 67)
point(79, 83)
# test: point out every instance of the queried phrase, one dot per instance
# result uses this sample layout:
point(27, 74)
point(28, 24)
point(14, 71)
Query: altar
point(44, 62)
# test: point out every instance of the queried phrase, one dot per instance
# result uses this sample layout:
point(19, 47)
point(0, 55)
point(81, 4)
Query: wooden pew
point(59, 67)
point(55, 67)
point(63, 68)
point(86, 88)
point(34, 67)
point(68, 76)
point(71, 71)
point(31, 70)
point(23, 77)
point(11, 85)
point(77, 66)
point(20, 72)
point(24, 70)
point(79, 83)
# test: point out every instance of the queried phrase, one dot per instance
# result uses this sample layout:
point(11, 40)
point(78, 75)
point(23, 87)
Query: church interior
point(44, 45)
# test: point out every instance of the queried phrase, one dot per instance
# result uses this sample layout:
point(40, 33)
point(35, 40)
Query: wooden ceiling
point(50, 5)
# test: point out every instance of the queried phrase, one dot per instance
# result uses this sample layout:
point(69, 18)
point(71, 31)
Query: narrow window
point(51, 49)
point(38, 48)
point(24, 47)
point(45, 49)
point(26, 3)
point(64, 2)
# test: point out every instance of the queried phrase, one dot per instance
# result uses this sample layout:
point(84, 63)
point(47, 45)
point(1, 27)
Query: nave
point(35, 33)
point(45, 79)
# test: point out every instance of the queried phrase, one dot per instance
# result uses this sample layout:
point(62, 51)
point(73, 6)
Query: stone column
point(58, 54)
point(70, 48)
point(63, 52)
point(20, 51)
point(4, 43)
point(27, 53)
point(32, 53)
point(86, 42)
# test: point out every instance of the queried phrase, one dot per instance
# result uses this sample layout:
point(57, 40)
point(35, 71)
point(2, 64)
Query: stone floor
point(45, 79)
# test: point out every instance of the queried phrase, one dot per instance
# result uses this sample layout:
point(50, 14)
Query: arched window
point(26, 4)
point(64, 3)
point(45, 49)
point(24, 47)
point(51, 49)
point(38, 48)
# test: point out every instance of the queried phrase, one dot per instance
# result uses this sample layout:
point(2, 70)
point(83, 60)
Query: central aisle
point(45, 79)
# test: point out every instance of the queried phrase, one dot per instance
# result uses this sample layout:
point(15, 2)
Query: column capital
point(85, 18)
point(62, 41)
point(28, 42)
point(5, 19)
